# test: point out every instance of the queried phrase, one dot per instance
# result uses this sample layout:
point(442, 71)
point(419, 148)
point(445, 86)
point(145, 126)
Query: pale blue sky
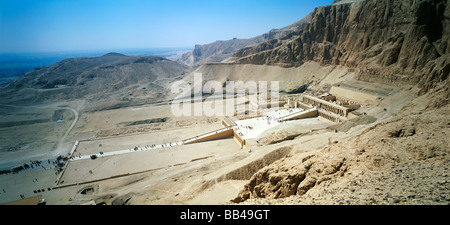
point(62, 25)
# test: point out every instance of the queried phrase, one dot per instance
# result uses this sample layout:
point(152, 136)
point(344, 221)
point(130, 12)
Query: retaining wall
point(239, 140)
point(353, 94)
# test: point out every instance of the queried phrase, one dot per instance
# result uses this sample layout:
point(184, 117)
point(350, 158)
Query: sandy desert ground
point(212, 172)
point(107, 131)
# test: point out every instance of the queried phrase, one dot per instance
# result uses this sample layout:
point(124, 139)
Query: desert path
point(61, 141)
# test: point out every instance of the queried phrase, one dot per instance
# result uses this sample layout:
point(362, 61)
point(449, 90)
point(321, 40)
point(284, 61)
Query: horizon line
point(97, 50)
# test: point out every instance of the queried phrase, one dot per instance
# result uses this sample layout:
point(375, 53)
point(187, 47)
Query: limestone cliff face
point(221, 50)
point(382, 40)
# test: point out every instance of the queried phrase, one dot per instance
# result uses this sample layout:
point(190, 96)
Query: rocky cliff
point(401, 158)
point(382, 40)
point(221, 50)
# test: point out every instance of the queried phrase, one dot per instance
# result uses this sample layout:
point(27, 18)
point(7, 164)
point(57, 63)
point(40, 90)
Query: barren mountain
point(383, 40)
point(221, 50)
point(112, 80)
point(401, 159)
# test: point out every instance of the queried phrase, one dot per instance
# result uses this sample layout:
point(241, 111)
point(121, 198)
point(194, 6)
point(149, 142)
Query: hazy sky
point(60, 25)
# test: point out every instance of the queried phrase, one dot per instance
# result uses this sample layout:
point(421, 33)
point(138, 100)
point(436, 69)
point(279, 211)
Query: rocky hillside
point(113, 79)
point(382, 40)
point(400, 159)
point(221, 50)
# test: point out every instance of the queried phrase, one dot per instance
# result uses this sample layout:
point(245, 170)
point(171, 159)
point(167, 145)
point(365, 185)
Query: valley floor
point(396, 153)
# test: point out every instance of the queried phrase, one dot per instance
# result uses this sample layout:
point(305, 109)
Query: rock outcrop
point(382, 40)
point(406, 155)
point(291, 176)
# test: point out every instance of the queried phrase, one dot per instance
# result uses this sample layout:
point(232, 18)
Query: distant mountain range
point(384, 40)
point(12, 65)
point(112, 80)
point(221, 50)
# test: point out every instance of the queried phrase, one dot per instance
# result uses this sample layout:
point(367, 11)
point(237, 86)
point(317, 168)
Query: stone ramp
point(213, 135)
point(299, 115)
